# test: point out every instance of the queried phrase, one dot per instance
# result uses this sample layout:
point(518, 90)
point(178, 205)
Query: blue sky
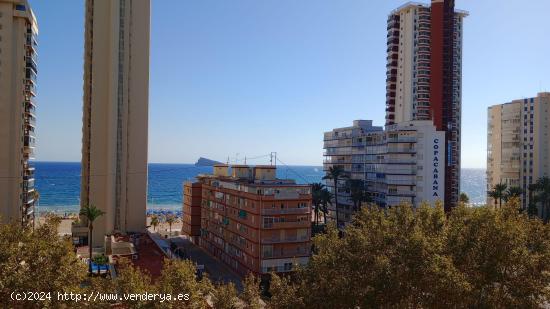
point(251, 77)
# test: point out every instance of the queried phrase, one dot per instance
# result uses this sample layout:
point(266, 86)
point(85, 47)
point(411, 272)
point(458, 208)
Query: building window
point(20, 7)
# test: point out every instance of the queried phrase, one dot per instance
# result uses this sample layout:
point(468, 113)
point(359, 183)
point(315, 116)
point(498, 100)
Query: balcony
point(31, 64)
point(29, 141)
point(28, 197)
point(30, 87)
point(28, 184)
point(401, 149)
point(401, 193)
point(339, 152)
point(30, 121)
point(285, 225)
point(402, 140)
point(403, 182)
point(285, 240)
point(286, 211)
point(30, 109)
point(29, 211)
point(30, 75)
point(337, 161)
point(285, 253)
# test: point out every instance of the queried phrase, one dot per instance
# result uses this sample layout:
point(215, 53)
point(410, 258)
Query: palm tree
point(358, 193)
point(91, 213)
point(316, 189)
point(155, 222)
point(326, 199)
point(532, 207)
point(171, 219)
point(335, 173)
point(542, 195)
point(464, 198)
point(494, 195)
point(513, 192)
point(500, 191)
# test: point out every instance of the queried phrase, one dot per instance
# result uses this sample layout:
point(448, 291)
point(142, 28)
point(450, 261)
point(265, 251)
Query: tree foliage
point(36, 261)
point(464, 198)
point(387, 258)
point(251, 295)
point(336, 173)
point(224, 296)
point(406, 258)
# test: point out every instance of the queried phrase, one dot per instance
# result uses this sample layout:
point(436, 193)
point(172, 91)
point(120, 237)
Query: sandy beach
point(65, 225)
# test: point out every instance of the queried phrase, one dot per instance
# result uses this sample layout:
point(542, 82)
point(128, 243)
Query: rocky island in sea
point(206, 162)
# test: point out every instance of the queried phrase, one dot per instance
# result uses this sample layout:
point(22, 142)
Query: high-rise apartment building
point(424, 76)
point(115, 121)
point(342, 148)
point(18, 70)
point(191, 219)
point(518, 143)
point(402, 164)
point(251, 220)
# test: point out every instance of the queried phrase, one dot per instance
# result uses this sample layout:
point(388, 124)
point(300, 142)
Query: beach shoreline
point(66, 223)
point(66, 211)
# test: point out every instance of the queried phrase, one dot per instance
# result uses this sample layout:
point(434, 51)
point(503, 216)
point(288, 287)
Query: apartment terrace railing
point(285, 240)
point(285, 253)
point(286, 211)
point(289, 224)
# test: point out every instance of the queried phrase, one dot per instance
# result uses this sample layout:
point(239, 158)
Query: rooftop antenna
point(244, 160)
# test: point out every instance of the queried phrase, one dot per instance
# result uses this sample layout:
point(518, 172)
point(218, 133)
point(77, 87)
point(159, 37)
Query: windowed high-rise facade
point(18, 72)
point(424, 76)
point(115, 117)
point(518, 144)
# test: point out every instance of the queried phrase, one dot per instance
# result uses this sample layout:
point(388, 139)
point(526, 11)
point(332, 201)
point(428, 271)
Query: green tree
point(131, 279)
point(513, 192)
point(90, 213)
point(464, 198)
point(285, 294)
point(251, 294)
point(336, 173)
point(316, 199)
point(423, 258)
point(542, 196)
point(495, 196)
point(37, 260)
point(500, 192)
point(171, 219)
point(155, 222)
point(224, 296)
point(326, 200)
point(358, 194)
point(179, 276)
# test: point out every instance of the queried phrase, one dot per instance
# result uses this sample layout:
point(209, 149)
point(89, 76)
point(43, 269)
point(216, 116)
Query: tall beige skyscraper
point(424, 76)
point(18, 31)
point(518, 143)
point(115, 121)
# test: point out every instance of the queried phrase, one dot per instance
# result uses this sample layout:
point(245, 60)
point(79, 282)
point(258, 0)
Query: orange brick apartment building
point(250, 220)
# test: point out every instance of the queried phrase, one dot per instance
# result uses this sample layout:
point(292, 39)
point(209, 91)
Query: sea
point(59, 184)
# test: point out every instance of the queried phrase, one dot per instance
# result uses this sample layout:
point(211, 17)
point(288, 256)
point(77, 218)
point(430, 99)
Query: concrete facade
point(18, 72)
point(342, 148)
point(115, 117)
point(402, 164)
point(518, 142)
